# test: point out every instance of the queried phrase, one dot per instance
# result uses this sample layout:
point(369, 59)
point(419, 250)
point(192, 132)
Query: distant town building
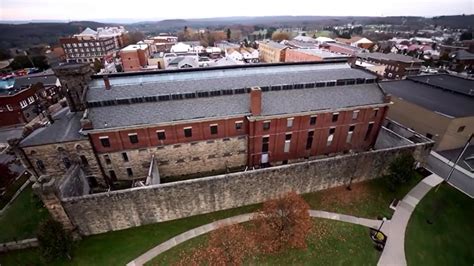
point(161, 43)
point(306, 55)
point(341, 48)
point(90, 45)
point(357, 41)
point(29, 96)
point(223, 45)
point(397, 66)
point(323, 40)
point(187, 47)
point(134, 57)
point(302, 38)
point(462, 60)
point(181, 62)
point(439, 106)
point(55, 56)
point(272, 52)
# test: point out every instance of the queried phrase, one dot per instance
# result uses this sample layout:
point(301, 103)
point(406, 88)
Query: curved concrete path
point(394, 251)
point(150, 254)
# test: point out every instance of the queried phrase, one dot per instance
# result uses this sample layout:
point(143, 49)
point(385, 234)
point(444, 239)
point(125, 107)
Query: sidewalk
point(150, 254)
point(394, 251)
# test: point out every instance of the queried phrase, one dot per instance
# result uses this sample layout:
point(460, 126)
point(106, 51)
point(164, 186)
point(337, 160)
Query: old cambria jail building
point(200, 122)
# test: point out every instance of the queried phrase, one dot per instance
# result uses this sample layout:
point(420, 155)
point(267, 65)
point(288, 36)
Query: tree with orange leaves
point(279, 36)
point(228, 245)
point(283, 223)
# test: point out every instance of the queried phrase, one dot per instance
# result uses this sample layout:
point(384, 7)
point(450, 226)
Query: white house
point(181, 48)
point(250, 55)
point(323, 40)
point(234, 55)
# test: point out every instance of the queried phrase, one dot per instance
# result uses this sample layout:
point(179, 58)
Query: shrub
point(54, 241)
point(400, 171)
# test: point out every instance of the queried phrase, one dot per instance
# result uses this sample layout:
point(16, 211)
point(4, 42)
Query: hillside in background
point(30, 34)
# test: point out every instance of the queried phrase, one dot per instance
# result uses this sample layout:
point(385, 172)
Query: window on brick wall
point(309, 140)
point(335, 117)
point(331, 136)
point(188, 132)
point(461, 128)
point(265, 143)
point(266, 125)
point(161, 134)
point(125, 156)
point(369, 130)
point(129, 172)
point(313, 119)
point(349, 134)
point(104, 141)
point(239, 125)
point(133, 138)
point(213, 129)
point(376, 112)
point(286, 148)
point(289, 122)
point(355, 114)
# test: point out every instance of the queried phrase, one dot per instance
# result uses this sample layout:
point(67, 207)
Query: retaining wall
point(99, 213)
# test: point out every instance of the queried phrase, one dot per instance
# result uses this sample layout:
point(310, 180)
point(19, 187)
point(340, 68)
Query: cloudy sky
point(162, 9)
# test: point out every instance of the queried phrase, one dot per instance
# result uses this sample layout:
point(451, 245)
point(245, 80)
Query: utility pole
point(437, 201)
point(468, 142)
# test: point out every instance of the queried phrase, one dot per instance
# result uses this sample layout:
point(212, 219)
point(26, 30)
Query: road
point(460, 180)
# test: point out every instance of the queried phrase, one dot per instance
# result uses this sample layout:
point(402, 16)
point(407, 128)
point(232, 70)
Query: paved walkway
point(150, 254)
point(394, 251)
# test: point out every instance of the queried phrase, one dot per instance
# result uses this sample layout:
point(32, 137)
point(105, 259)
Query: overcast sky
point(163, 9)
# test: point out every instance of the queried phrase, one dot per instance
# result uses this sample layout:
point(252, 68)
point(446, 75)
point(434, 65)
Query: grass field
point(329, 243)
point(450, 239)
point(21, 219)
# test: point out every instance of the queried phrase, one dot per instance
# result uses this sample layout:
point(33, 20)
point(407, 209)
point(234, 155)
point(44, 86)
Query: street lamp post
point(380, 227)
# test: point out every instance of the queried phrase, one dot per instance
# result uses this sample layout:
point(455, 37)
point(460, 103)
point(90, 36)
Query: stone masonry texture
point(99, 213)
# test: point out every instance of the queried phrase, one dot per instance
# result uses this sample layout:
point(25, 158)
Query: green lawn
point(118, 248)
point(366, 199)
point(21, 219)
point(450, 239)
point(12, 189)
point(330, 243)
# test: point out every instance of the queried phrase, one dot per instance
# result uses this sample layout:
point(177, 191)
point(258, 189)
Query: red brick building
point(134, 57)
point(19, 105)
point(207, 121)
point(308, 55)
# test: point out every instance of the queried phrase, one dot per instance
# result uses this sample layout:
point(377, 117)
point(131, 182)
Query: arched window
point(84, 160)
point(67, 162)
point(40, 165)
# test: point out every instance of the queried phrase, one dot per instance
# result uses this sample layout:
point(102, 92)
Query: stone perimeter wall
point(99, 213)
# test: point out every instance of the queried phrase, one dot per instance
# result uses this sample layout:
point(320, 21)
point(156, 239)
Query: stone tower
point(74, 78)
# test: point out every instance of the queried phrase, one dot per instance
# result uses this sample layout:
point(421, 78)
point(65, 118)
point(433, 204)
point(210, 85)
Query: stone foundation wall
point(52, 157)
point(16, 245)
point(180, 159)
point(99, 213)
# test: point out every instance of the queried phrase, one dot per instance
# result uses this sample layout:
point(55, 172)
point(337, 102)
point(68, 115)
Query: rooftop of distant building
point(445, 94)
point(390, 57)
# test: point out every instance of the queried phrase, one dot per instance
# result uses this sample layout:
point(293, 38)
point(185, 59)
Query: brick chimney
point(256, 101)
point(107, 82)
